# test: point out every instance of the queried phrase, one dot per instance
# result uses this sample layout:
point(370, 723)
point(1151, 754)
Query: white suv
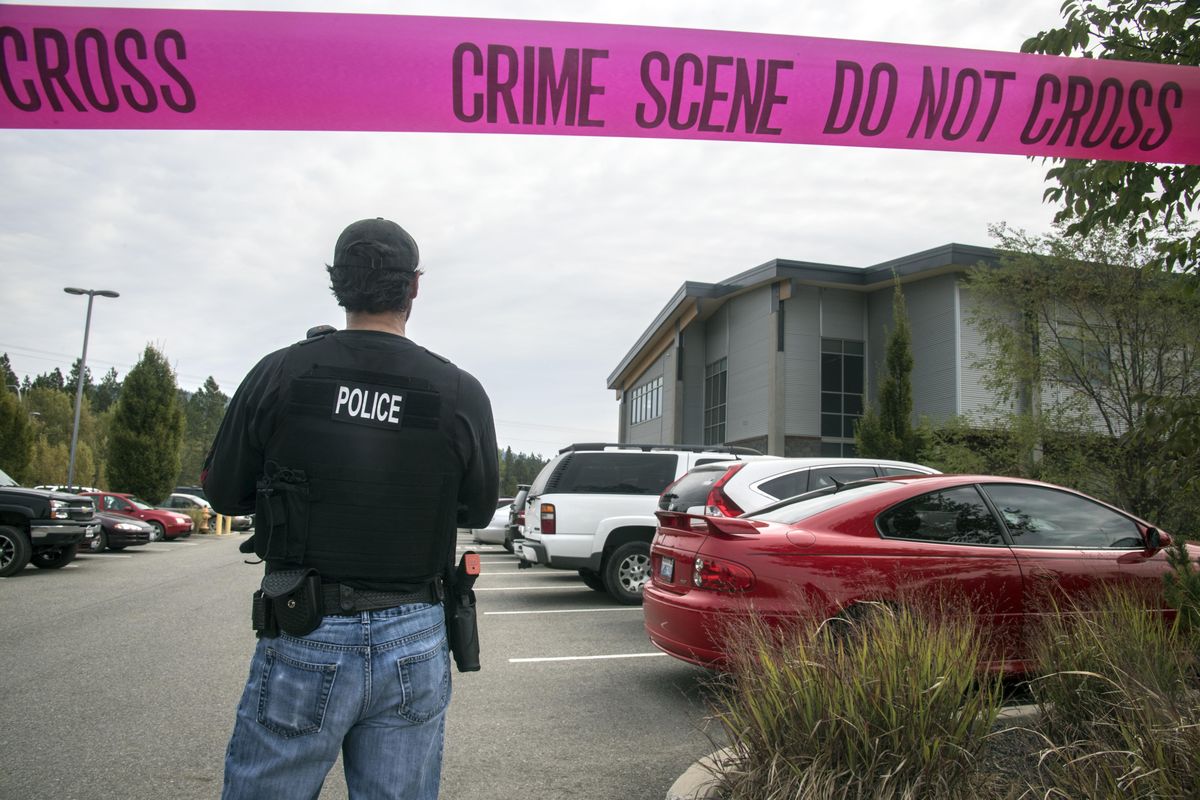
point(730, 490)
point(591, 509)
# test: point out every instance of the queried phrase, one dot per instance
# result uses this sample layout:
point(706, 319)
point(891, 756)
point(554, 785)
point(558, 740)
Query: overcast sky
point(545, 257)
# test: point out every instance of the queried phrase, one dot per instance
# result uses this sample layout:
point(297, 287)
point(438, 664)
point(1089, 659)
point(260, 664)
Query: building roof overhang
point(695, 300)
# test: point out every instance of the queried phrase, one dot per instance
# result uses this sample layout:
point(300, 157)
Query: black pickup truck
point(43, 527)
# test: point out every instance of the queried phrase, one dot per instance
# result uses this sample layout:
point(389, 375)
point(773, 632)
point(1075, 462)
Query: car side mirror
point(1157, 540)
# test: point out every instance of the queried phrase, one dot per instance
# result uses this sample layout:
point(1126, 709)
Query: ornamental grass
point(884, 704)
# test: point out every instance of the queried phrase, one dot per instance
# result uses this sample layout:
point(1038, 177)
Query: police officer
point(361, 452)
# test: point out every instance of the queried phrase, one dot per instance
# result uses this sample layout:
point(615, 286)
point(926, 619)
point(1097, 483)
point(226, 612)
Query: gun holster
point(462, 628)
point(289, 601)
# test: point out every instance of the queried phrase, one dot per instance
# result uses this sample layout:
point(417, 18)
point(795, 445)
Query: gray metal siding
point(694, 359)
point(751, 344)
point(650, 431)
point(802, 361)
point(931, 315)
point(842, 314)
point(879, 322)
point(977, 402)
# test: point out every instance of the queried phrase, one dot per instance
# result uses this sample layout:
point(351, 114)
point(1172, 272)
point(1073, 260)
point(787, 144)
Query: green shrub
point(888, 704)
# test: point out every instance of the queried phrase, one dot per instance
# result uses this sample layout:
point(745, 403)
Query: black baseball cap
point(376, 244)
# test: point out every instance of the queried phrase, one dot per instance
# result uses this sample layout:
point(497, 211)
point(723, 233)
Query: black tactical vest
point(361, 479)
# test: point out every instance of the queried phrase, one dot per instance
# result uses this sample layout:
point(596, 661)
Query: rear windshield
point(691, 490)
point(811, 505)
point(614, 473)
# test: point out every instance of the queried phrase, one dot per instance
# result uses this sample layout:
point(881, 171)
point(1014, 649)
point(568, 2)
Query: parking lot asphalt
point(121, 673)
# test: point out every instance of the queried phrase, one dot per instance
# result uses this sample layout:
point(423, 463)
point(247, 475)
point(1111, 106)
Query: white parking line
point(583, 658)
point(146, 549)
point(106, 555)
point(527, 573)
point(523, 588)
point(561, 611)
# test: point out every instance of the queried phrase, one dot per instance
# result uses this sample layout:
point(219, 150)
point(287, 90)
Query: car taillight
point(547, 516)
point(721, 576)
point(719, 503)
point(520, 517)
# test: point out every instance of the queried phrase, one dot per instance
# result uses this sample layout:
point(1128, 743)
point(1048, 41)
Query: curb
point(700, 781)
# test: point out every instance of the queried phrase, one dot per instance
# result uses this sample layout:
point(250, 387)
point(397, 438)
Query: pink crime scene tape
point(108, 68)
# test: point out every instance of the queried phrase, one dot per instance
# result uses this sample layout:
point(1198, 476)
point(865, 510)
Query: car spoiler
point(700, 523)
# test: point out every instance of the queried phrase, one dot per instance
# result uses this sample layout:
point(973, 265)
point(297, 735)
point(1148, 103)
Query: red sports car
point(166, 524)
point(1003, 544)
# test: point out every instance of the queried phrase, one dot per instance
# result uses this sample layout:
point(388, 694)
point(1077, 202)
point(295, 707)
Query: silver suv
point(591, 509)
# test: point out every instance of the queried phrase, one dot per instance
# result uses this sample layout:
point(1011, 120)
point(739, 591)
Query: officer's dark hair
point(373, 291)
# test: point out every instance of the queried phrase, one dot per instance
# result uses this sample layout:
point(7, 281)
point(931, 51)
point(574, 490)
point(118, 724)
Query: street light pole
point(87, 326)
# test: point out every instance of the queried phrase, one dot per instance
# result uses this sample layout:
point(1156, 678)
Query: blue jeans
point(374, 685)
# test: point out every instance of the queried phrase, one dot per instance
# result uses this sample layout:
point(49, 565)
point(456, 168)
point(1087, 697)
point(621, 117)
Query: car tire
point(160, 533)
point(54, 557)
point(627, 571)
point(99, 544)
point(15, 551)
point(592, 580)
point(508, 544)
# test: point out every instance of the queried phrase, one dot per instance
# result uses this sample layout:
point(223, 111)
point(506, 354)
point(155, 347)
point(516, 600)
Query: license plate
point(666, 569)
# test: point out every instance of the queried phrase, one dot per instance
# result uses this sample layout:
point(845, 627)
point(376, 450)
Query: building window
point(714, 402)
point(842, 370)
point(645, 402)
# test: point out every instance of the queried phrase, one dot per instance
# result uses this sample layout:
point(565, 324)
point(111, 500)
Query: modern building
point(784, 357)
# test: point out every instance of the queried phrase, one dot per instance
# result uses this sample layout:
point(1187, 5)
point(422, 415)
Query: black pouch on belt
point(295, 598)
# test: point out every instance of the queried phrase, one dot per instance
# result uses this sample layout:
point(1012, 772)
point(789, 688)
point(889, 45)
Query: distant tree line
point(517, 469)
point(142, 434)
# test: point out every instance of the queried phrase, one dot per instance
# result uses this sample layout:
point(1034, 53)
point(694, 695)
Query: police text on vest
point(366, 404)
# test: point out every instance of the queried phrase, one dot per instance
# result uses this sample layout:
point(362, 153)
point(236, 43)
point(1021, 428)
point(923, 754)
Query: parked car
point(1003, 545)
point(591, 509)
point(167, 524)
point(731, 490)
point(515, 527)
point(494, 532)
point(41, 527)
point(117, 531)
point(240, 522)
point(179, 501)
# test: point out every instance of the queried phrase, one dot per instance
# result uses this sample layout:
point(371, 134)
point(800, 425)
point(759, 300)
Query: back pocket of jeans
point(425, 681)
point(293, 695)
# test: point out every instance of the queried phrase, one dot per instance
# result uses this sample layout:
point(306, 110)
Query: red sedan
point(167, 524)
point(1002, 543)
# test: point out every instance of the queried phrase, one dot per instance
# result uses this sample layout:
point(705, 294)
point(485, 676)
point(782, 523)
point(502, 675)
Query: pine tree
point(107, 391)
point(888, 432)
point(147, 430)
point(16, 435)
point(203, 412)
point(7, 376)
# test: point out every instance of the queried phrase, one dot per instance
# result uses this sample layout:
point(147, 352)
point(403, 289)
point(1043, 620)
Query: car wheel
point(15, 551)
point(508, 544)
point(592, 580)
point(626, 572)
point(99, 544)
point(159, 534)
point(54, 557)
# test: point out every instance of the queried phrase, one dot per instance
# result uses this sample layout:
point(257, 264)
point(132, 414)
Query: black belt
point(340, 599)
